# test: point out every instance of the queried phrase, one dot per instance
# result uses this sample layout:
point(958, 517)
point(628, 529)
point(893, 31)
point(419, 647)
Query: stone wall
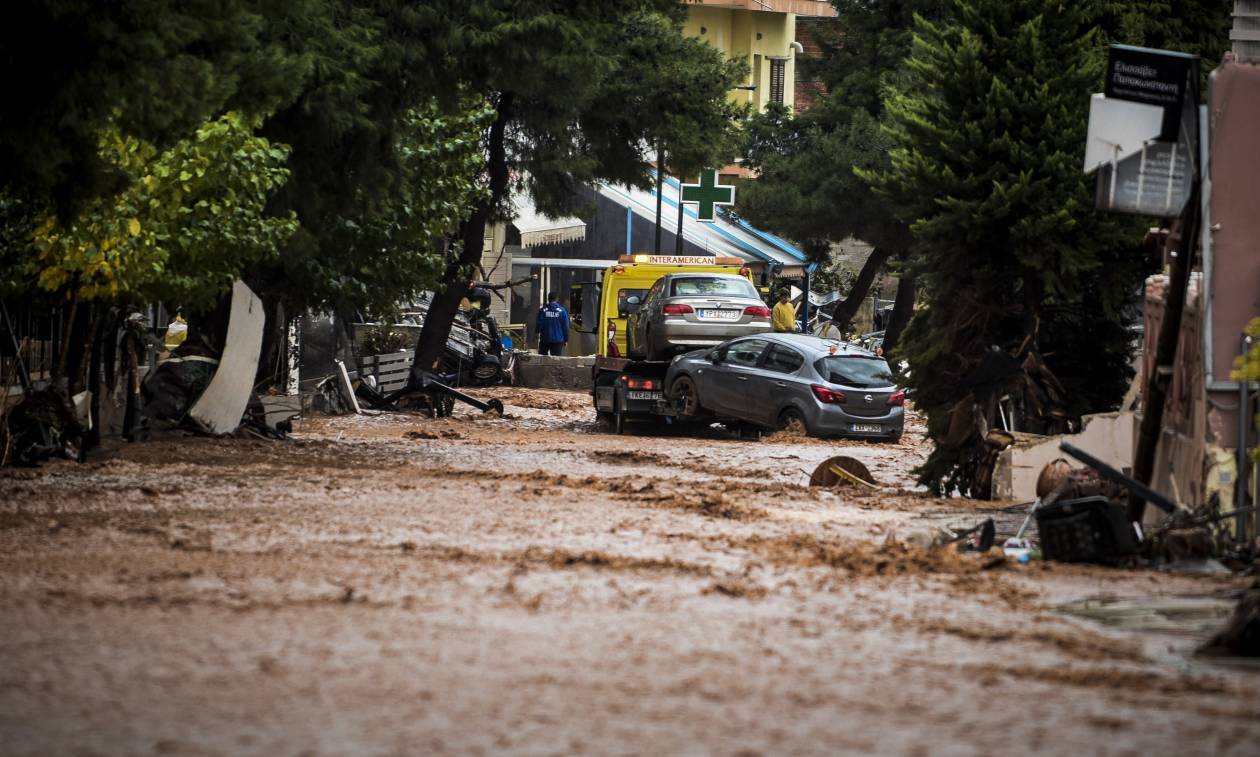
point(547, 372)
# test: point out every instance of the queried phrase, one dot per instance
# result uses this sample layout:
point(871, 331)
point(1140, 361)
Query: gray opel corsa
point(799, 382)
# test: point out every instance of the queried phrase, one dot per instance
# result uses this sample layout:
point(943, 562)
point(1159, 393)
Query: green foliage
point(681, 81)
point(373, 249)
point(989, 124)
point(593, 86)
point(187, 222)
point(809, 191)
point(865, 46)
point(153, 69)
point(582, 89)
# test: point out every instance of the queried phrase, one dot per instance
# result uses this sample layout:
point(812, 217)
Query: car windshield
point(855, 370)
point(706, 286)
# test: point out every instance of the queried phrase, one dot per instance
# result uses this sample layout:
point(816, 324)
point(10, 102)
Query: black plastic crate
point(1090, 529)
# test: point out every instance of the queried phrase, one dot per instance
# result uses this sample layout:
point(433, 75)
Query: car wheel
point(793, 423)
point(686, 397)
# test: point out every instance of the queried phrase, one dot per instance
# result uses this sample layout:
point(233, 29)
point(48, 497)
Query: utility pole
point(660, 180)
point(678, 238)
point(1165, 351)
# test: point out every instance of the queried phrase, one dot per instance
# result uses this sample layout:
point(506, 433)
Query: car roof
point(819, 345)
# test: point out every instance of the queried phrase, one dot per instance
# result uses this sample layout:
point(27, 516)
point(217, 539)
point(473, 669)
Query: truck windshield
point(855, 370)
point(722, 286)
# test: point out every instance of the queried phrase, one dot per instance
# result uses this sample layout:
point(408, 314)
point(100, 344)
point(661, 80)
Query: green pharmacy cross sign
point(707, 194)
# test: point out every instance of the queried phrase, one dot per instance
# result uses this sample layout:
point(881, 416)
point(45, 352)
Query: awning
point(722, 237)
point(537, 229)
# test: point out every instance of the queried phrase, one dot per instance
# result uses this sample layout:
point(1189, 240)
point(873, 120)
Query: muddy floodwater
point(393, 584)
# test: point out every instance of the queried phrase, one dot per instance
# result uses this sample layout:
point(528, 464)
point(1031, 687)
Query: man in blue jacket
point(552, 326)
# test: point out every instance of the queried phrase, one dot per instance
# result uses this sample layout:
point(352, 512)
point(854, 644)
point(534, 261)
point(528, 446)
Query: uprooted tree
point(1025, 283)
point(580, 92)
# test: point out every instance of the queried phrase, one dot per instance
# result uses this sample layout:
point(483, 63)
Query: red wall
point(1234, 122)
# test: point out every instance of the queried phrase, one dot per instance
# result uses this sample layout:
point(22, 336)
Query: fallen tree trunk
point(455, 279)
point(845, 311)
point(903, 310)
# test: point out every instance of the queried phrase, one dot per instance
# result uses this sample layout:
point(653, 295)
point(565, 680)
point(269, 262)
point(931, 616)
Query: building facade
point(763, 32)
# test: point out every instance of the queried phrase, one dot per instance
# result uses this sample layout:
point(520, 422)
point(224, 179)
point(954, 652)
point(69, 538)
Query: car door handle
point(781, 383)
point(742, 378)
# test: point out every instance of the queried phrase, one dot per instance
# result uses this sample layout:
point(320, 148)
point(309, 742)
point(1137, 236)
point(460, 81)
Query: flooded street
point(394, 584)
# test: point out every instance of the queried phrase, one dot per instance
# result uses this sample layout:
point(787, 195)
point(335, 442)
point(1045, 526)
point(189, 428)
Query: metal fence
point(32, 333)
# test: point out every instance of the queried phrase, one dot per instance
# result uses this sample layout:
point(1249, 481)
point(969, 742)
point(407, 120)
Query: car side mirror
point(628, 307)
point(713, 357)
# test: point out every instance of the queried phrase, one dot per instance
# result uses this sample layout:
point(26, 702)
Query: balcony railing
point(799, 7)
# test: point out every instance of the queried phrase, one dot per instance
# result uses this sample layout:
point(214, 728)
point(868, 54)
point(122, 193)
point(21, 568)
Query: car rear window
point(855, 370)
point(701, 286)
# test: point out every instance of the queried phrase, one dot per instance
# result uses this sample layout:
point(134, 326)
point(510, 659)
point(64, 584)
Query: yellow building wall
point(735, 33)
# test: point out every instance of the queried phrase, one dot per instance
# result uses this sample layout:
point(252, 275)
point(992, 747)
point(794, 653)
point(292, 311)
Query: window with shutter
point(777, 69)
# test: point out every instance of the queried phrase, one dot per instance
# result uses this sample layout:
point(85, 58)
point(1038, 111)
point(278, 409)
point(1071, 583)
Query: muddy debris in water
point(738, 587)
point(1120, 679)
point(1241, 634)
point(1073, 642)
point(970, 585)
point(189, 538)
point(715, 505)
point(448, 433)
point(638, 457)
point(554, 558)
point(720, 498)
point(537, 399)
point(628, 457)
point(891, 558)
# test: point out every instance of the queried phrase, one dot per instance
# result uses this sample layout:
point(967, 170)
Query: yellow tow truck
point(625, 389)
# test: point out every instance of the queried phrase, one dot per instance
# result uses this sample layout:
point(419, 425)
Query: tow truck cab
point(623, 388)
point(622, 287)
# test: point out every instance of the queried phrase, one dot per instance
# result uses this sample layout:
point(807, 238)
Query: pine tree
point(1024, 280)
point(808, 189)
point(579, 91)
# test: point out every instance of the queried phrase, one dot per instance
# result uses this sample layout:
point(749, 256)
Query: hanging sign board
point(1153, 77)
point(1143, 132)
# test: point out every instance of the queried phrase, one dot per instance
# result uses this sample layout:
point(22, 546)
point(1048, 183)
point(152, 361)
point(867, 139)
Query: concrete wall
point(1108, 436)
point(547, 372)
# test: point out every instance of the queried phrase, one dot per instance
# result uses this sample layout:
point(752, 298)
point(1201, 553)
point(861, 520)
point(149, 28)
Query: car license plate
point(719, 315)
point(868, 427)
point(645, 396)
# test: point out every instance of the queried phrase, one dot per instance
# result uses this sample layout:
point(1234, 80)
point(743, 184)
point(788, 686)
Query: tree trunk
point(95, 383)
point(445, 304)
point(903, 310)
point(76, 349)
point(845, 311)
point(63, 351)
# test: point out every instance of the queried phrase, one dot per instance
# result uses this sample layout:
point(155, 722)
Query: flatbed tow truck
point(628, 390)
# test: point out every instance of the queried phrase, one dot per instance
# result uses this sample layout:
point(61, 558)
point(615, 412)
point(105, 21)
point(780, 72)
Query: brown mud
point(394, 584)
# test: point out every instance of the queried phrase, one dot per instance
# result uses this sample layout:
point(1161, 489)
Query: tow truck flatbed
point(627, 390)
